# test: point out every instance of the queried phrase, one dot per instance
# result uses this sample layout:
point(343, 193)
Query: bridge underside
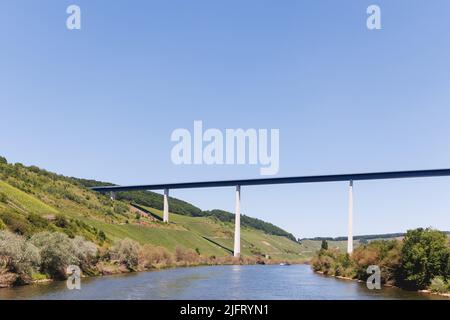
point(272, 181)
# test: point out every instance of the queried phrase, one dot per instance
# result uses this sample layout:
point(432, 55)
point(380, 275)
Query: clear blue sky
point(102, 102)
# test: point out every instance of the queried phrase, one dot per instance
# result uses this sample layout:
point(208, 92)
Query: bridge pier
point(237, 224)
point(112, 195)
point(166, 206)
point(350, 219)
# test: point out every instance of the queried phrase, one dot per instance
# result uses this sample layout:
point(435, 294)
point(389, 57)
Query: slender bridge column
point(350, 219)
point(237, 224)
point(112, 195)
point(166, 206)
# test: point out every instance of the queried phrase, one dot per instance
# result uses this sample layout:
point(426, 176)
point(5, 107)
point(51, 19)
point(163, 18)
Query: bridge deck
point(283, 180)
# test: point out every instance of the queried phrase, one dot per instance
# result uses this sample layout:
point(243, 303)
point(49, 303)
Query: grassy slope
point(252, 241)
point(21, 201)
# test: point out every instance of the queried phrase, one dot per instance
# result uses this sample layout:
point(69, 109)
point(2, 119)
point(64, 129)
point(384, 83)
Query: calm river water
point(217, 283)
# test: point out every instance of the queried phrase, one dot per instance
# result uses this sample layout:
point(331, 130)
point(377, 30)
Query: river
point(296, 282)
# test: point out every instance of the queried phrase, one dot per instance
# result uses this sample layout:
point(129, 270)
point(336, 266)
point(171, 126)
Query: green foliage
point(420, 261)
point(57, 253)
point(17, 255)
point(324, 245)
point(3, 197)
point(251, 223)
point(15, 222)
point(425, 255)
point(147, 198)
point(155, 257)
point(61, 221)
point(155, 200)
point(120, 208)
point(3, 160)
point(126, 251)
point(50, 253)
point(386, 254)
point(33, 190)
point(333, 262)
point(101, 236)
point(36, 276)
point(39, 222)
point(363, 239)
point(85, 251)
point(439, 285)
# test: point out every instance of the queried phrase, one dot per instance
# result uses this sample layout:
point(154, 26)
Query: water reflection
point(216, 283)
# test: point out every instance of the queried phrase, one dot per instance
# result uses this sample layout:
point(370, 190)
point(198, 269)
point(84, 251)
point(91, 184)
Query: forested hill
point(363, 238)
point(155, 200)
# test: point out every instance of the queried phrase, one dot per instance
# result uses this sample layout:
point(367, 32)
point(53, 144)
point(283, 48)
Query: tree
point(17, 255)
point(57, 252)
point(101, 236)
point(425, 255)
point(324, 245)
point(3, 197)
point(85, 251)
point(126, 251)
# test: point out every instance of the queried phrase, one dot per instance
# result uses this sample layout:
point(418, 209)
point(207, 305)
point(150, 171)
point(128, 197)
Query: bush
point(324, 245)
point(425, 255)
point(85, 251)
point(126, 251)
point(155, 257)
point(333, 262)
point(38, 221)
point(186, 257)
point(422, 260)
point(57, 251)
point(101, 236)
point(61, 222)
point(439, 285)
point(3, 197)
point(17, 255)
point(384, 254)
point(120, 208)
point(16, 223)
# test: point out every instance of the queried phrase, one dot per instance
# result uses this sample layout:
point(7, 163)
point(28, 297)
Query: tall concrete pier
point(166, 206)
point(237, 224)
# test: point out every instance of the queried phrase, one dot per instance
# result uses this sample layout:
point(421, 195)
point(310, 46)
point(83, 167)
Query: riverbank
point(9, 280)
point(446, 295)
point(420, 262)
point(234, 282)
point(47, 255)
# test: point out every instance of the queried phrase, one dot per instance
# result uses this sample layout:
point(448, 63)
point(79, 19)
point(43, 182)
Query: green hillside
point(253, 242)
point(34, 200)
